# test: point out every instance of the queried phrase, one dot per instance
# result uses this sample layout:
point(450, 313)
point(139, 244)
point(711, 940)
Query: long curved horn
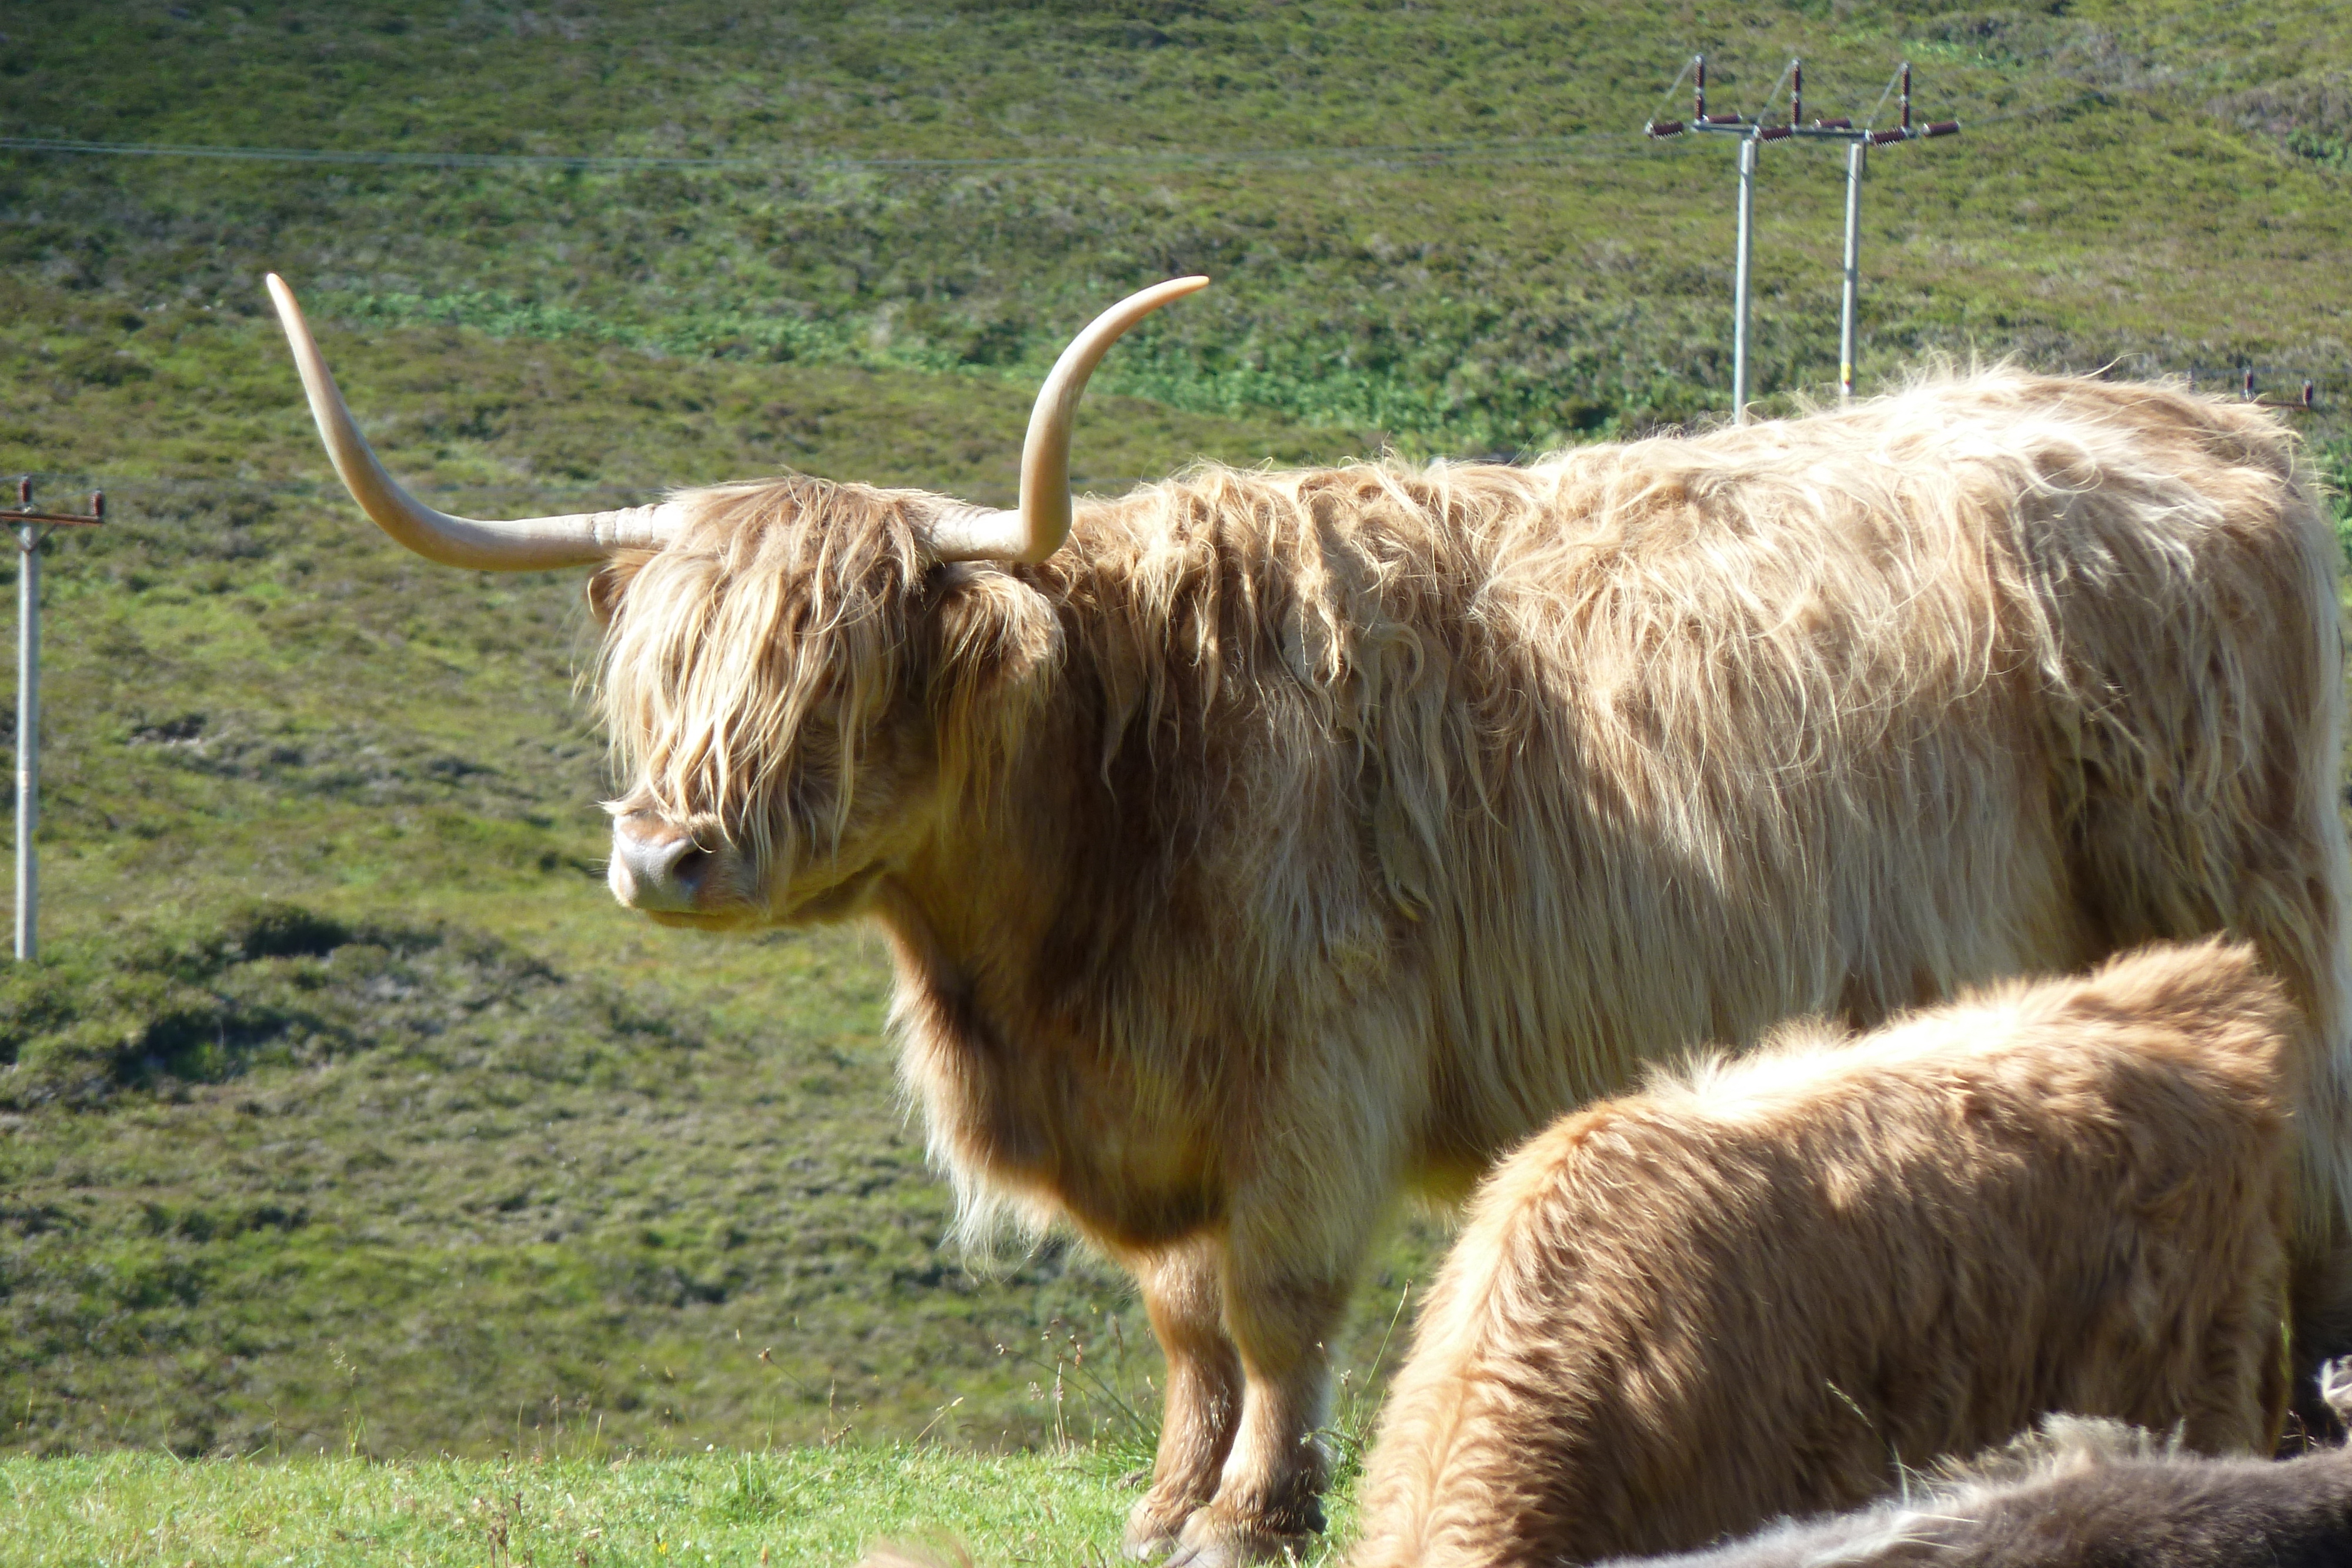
point(523, 544)
point(1037, 529)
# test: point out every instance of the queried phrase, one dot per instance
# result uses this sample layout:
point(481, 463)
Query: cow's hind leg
point(2256, 848)
point(1182, 1294)
point(2210, 803)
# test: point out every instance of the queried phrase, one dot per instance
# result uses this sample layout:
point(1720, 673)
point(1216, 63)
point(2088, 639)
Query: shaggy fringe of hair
point(994, 1232)
point(704, 695)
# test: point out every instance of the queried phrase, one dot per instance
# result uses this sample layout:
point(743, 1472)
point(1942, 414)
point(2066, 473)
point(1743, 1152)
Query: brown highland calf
point(1768, 1287)
point(2082, 1494)
point(1258, 846)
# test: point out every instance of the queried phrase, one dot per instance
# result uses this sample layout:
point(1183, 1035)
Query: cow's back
point(1995, 676)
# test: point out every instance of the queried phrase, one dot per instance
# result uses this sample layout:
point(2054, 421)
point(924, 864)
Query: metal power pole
point(1858, 141)
point(1752, 133)
point(1857, 156)
point(28, 736)
point(1740, 281)
point(32, 526)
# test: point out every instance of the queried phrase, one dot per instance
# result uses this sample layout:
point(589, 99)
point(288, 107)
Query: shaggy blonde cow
point(1773, 1286)
point(1257, 846)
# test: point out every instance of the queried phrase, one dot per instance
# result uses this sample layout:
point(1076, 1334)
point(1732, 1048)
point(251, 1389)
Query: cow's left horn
point(1038, 529)
point(521, 544)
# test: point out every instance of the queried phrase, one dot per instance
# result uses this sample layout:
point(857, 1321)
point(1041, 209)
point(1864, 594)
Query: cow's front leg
point(1269, 1502)
point(1182, 1294)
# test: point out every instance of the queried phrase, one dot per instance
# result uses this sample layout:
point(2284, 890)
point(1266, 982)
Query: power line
point(1538, 147)
point(2205, 66)
point(321, 490)
point(1529, 149)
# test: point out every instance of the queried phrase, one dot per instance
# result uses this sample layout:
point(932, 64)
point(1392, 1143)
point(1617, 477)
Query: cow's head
point(796, 673)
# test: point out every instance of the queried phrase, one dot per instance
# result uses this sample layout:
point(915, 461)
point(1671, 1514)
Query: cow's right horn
point(1037, 529)
point(521, 544)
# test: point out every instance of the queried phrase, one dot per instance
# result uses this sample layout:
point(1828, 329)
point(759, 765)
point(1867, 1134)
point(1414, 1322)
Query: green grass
point(814, 1506)
point(347, 1116)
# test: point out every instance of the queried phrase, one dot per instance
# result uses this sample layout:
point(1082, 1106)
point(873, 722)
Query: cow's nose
point(655, 866)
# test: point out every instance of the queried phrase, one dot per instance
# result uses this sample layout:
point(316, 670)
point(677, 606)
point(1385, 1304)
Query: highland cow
point(1258, 846)
point(1771, 1286)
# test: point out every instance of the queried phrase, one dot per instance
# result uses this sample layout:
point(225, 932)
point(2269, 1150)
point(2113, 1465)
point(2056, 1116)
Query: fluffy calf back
point(1762, 1287)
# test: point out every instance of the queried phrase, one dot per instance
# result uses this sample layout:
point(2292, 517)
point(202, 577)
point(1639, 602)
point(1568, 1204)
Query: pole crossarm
point(67, 518)
point(23, 510)
point(1762, 128)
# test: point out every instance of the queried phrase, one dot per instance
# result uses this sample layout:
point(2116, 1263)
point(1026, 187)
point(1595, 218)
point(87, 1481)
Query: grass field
point(802, 1507)
point(347, 1124)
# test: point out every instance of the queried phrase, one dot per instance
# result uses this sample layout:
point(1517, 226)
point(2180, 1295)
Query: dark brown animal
point(1769, 1286)
point(1258, 846)
point(2081, 1494)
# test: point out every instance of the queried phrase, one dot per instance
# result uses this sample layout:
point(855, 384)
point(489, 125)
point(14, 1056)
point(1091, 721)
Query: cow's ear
point(607, 583)
point(991, 636)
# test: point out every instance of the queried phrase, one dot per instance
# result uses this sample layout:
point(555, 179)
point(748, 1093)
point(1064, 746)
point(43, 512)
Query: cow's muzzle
point(659, 868)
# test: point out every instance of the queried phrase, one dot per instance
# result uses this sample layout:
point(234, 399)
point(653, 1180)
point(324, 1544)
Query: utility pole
point(1859, 140)
point(32, 528)
point(1739, 279)
point(1857, 155)
point(1753, 133)
point(1750, 133)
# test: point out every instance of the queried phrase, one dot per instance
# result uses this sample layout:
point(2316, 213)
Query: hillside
point(1437, 222)
point(348, 1112)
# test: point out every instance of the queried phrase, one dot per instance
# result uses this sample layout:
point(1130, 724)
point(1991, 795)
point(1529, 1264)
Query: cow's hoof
point(1148, 1548)
point(1221, 1537)
point(1154, 1526)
